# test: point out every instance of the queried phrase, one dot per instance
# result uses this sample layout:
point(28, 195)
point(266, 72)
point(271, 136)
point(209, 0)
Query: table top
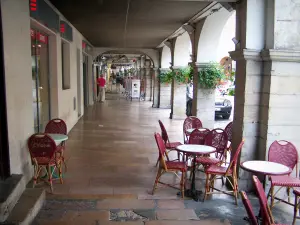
point(192, 129)
point(59, 137)
point(196, 149)
point(265, 167)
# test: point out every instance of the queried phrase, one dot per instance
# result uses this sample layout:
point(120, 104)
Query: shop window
point(65, 65)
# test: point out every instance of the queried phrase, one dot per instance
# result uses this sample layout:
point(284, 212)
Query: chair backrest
point(56, 126)
point(164, 133)
point(285, 153)
point(161, 149)
point(191, 122)
point(234, 160)
point(217, 138)
point(249, 209)
point(41, 145)
point(228, 130)
point(197, 137)
point(263, 201)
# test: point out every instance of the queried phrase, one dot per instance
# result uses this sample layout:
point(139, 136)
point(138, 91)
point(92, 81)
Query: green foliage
point(184, 75)
point(166, 77)
point(210, 76)
point(231, 92)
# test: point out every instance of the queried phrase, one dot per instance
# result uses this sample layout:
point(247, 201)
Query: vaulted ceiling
point(149, 22)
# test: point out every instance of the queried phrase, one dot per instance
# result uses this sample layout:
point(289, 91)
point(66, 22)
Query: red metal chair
point(58, 126)
point(285, 153)
point(42, 150)
point(265, 210)
point(227, 172)
point(216, 138)
point(189, 123)
point(197, 137)
point(249, 209)
point(167, 166)
point(228, 130)
point(170, 146)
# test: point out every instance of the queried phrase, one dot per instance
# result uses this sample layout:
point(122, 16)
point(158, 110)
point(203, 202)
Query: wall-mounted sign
point(44, 14)
point(66, 30)
point(86, 47)
point(35, 35)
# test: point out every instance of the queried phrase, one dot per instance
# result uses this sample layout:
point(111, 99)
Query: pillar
point(179, 99)
point(156, 88)
point(205, 101)
point(165, 93)
point(148, 81)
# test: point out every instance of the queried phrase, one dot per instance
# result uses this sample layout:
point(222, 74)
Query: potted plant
point(184, 76)
point(166, 77)
point(211, 75)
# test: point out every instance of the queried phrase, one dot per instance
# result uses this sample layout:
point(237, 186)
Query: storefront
point(40, 79)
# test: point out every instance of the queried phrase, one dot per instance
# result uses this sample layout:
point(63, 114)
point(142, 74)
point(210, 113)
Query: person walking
point(101, 83)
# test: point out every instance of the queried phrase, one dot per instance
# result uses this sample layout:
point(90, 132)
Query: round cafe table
point(265, 168)
point(189, 131)
point(58, 138)
point(194, 150)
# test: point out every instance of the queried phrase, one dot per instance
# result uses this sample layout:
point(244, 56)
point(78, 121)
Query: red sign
point(62, 28)
point(33, 5)
point(32, 33)
point(42, 38)
point(83, 45)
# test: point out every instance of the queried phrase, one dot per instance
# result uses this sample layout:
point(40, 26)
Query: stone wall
point(179, 101)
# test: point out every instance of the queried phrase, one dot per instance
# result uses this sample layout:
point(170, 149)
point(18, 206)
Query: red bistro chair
point(42, 150)
point(58, 126)
point(171, 146)
point(189, 123)
point(227, 172)
point(266, 213)
point(285, 153)
point(167, 166)
point(249, 209)
point(197, 137)
point(228, 130)
point(216, 138)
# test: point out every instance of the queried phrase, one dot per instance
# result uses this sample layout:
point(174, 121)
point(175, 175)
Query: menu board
point(135, 88)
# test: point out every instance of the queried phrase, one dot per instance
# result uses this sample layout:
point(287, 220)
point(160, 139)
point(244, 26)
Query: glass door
point(40, 80)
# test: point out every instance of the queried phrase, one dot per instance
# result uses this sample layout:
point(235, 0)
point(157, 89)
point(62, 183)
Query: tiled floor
point(111, 155)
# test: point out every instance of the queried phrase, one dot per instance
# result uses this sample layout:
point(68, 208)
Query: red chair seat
point(176, 166)
point(220, 170)
point(172, 145)
point(285, 181)
point(207, 161)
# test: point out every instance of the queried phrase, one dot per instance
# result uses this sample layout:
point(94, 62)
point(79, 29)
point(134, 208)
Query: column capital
point(280, 55)
point(247, 54)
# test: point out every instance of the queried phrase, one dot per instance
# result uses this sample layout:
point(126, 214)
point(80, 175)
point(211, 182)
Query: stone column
point(165, 93)
point(179, 99)
point(148, 83)
point(156, 88)
point(205, 102)
point(249, 76)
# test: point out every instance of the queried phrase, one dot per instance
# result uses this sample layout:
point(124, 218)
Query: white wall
point(17, 52)
point(165, 57)
point(18, 72)
point(182, 50)
point(210, 36)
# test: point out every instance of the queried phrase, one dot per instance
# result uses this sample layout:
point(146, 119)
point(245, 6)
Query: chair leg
point(182, 183)
point(159, 172)
point(36, 174)
point(157, 162)
point(272, 196)
point(288, 193)
point(296, 206)
point(206, 186)
point(59, 167)
point(50, 178)
point(235, 189)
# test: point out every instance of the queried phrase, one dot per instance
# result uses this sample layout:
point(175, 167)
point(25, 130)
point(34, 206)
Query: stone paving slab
point(87, 217)
point(170, 204)
point(176, 214)
point(176, 222)
point(125, 204)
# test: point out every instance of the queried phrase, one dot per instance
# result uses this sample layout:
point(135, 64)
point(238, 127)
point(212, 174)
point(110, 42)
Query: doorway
point(85, 80)
point(40, 79)
point(78, 83)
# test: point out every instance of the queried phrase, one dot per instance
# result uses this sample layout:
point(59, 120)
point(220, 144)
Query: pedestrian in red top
point(101, 83)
